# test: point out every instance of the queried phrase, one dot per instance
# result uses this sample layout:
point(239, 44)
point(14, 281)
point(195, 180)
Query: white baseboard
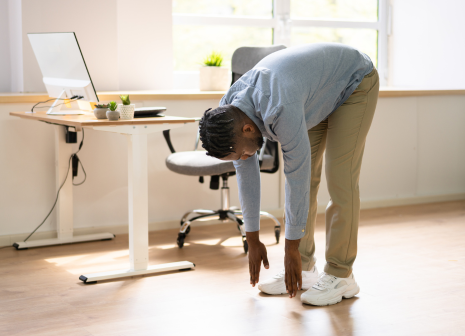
point(8, 240)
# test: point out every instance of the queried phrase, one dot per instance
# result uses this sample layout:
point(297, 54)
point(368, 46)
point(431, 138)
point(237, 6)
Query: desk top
point(85, 120)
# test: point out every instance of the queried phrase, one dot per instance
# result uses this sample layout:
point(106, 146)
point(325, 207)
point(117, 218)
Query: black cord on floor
point(61, 186)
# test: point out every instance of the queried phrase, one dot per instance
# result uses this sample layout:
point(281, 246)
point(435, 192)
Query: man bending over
point(310, 99)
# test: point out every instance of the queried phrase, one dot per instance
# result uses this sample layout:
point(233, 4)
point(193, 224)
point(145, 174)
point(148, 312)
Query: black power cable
point(71, 158)
point(72, 99)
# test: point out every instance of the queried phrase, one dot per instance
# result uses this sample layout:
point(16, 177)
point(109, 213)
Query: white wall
point(5, 74)
point(95, 29)
point(410, 155)
point(427, 48)
point(415, 151)
point(145, 52)
point(126, 44)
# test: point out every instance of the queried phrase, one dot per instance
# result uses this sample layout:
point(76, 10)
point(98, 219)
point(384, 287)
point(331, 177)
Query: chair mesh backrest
point(244, 59)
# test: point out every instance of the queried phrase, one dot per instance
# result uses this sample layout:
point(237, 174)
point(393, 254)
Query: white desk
point(136, 132)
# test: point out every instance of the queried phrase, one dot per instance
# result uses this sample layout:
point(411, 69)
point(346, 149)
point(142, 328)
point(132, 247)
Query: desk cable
point(75, 160)
point(70, 100)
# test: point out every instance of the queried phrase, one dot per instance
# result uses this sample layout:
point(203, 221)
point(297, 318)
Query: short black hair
point(217, 130)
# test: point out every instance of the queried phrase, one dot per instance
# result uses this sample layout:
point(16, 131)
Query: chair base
point(232, 214)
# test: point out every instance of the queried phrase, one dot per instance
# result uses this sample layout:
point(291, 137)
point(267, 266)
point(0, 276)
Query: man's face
point(245, 147)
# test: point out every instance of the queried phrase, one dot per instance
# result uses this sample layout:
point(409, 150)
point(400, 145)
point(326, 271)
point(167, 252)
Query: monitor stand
point(55, 109)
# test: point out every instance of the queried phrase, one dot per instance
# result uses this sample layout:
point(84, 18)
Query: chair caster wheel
point(180, 240)
point(246, 245)
point(277, 233)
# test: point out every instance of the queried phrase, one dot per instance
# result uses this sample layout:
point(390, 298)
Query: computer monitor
point(64, 70)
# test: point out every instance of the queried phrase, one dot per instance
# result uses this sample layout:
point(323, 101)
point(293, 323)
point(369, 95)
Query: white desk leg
point(138, 216)
point(138, 201)
point(64, 207)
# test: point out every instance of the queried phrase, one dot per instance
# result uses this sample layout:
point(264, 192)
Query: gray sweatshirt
point(286, 94)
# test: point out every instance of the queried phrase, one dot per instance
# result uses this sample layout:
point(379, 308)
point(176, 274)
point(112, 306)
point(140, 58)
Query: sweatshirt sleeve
point(291, 131)
point(248, 180)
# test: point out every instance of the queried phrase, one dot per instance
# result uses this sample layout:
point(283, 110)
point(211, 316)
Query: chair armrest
point(166, 134)
point(262, 152)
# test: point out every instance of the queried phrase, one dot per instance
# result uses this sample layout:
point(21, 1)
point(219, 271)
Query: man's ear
point(247, 128)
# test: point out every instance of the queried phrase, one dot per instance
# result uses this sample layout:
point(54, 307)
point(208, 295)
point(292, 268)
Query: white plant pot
point(126, 111)
point(214, 78)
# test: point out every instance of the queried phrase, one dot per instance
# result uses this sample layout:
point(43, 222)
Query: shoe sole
point(347, 295)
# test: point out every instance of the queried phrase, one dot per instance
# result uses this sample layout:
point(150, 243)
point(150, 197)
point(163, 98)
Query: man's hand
point(257, 253)
point(293, 267)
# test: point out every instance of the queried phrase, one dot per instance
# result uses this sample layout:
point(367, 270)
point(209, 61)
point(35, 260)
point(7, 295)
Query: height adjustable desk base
point(174, 266)
point(60, 241)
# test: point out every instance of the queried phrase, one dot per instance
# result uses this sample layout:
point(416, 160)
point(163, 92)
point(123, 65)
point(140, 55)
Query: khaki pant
point(343, 135)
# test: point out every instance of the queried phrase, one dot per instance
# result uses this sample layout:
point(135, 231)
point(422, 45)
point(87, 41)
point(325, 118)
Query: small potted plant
point(214, 77)
point(126, 108)
point(100, 111)
point(112, 113)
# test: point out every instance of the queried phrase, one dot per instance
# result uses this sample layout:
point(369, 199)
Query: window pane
point(365, 40)
point(258, 8)
point(193, 43)
point(335, 9)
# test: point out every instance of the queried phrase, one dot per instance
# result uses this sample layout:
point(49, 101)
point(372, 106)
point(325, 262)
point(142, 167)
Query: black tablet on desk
point(149, 112)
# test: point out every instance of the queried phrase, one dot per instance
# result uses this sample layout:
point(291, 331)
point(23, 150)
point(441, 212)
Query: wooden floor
point(410, 267)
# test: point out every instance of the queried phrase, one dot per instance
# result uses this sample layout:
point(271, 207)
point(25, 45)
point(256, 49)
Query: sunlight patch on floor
point(99, 268)
point(90, 263)
point(209, 242)
point(232, 242)
point(65, 260)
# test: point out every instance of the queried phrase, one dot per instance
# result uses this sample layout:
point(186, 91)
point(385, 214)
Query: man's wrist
point(253, 237)
point(291, 245)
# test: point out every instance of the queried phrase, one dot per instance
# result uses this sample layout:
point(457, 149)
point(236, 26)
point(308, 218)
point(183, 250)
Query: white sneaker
point(330, 290)
point(276, 284)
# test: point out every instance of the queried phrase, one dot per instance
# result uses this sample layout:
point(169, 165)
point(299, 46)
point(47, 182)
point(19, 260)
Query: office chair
point(197, 163)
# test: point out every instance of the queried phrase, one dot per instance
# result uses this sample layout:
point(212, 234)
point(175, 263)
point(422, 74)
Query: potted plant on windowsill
point(126, 108)
point(214, 77)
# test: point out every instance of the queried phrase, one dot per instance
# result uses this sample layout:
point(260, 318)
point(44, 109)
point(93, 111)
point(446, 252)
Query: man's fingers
point(299, 281)
point(293, 285)
point(286, 281)
point(265, 260)
point(252, 273)
point(257, 273)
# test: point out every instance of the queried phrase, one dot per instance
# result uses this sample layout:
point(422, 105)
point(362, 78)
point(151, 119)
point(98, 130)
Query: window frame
point(281, 23)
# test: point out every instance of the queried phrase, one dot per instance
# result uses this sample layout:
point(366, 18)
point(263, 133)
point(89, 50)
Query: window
point(202, 26)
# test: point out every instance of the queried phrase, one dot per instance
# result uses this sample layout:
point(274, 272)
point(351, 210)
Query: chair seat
point(197, 163)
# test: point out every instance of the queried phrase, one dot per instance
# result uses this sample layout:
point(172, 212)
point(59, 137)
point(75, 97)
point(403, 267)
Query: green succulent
point(112, 106)
point(101, 106)
point(214, 59)
point(125, 99)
